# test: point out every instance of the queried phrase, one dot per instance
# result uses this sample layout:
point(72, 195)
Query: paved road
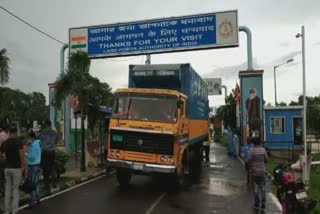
point(220, 189)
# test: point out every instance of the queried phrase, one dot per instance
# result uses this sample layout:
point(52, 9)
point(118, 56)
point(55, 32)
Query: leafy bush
point(316, 157)
point(62, 158)
point(216, 138)
point(221, 139)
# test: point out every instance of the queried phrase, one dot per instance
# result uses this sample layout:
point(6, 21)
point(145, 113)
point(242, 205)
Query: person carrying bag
point(31, 184)
point(12, 151)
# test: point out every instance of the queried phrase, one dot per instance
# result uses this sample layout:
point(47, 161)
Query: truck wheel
point(201, 155)
point(198, 161)
point(124, 177)
point(195, 162)
point(181, 179)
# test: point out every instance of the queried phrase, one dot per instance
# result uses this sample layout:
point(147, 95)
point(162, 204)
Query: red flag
point(238, 105)
point(74, 103)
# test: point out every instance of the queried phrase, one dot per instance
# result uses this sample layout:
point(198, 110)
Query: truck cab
point(149, 130)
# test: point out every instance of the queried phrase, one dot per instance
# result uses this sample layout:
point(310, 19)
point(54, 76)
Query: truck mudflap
point(143, 167)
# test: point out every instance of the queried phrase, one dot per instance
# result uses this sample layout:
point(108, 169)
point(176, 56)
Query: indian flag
point(79, 42)
point(78, 39)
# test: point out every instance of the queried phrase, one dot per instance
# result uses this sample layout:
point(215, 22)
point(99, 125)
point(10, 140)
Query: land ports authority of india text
point(155, 35)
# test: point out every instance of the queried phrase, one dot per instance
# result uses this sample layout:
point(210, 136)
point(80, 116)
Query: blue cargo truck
point(160, 122)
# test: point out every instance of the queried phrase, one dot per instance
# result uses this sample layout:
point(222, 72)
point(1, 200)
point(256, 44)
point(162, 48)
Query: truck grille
point(143, 142)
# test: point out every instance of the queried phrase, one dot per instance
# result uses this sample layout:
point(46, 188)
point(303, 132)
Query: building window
point(277, 125)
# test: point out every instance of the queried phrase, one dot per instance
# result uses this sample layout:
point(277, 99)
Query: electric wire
point(30, 25)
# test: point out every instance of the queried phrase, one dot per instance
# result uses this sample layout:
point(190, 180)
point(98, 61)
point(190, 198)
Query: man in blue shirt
point(230, 141)
point(34, 157)
point(246, 151)
point(235, 145)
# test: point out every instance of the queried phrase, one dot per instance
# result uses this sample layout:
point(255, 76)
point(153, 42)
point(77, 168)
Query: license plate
point(301, 195)
point(137, 166)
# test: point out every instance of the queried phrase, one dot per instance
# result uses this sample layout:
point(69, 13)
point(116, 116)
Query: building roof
point(282, 107)
point(152, 67)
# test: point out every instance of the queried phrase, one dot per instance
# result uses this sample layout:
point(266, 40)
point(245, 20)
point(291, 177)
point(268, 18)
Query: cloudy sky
point(274, 24)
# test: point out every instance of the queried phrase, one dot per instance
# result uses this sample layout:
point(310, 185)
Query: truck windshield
point(146, 108)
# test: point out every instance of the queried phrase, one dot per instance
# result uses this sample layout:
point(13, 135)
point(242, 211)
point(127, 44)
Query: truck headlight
point(163, 159)
point(118, 154)
point(170, 159)
point(112, 153)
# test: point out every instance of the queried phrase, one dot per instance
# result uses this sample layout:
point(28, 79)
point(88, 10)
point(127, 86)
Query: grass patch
point(221, 140)
point(273, 163)
point(270, 166)
point(316, 157)
point(314, 189)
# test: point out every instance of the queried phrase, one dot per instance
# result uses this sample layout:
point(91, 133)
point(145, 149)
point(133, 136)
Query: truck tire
point(201, 155)
point(197, 166)
point(124, 177)
point(181, 180)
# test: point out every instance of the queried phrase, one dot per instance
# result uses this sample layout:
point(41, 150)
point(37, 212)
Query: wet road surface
point(221, 188)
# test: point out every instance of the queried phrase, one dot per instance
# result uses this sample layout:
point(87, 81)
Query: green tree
point(4, 67)
point(99, 95)
point(78, 82)
point(38, 110)
point(17, 106)
point(227, 112)
point(313, 114)
point(293, 103)
point(282, 104)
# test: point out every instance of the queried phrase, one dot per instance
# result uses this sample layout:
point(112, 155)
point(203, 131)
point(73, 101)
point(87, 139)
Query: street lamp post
point(148, 60)
point(302, 35)
point(275, 82)
point(225, 91)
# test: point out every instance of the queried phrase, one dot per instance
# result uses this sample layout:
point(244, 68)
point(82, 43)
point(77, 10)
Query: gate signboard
point(196, 32)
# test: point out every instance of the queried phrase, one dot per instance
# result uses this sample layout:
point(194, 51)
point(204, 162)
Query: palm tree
point(77, 82)
point(4, 67)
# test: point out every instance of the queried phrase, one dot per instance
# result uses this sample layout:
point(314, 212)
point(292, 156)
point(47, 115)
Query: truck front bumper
point(143, 167)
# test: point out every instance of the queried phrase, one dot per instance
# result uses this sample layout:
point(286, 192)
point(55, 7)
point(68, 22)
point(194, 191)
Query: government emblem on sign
point(225, 29)
point(140, 142)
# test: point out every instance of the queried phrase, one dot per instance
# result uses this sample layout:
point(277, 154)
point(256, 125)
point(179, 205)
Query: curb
point(76, 181)
point(64, 187)
point(69, 184)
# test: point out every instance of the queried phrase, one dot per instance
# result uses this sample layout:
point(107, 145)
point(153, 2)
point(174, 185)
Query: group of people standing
point(233, 142)
point(20, 165)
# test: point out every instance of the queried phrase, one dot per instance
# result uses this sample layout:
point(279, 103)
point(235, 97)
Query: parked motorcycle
point(291, 192)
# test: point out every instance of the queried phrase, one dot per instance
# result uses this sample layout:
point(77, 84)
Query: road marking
point(66, 190)
point(241, 161)
point(154, 204)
